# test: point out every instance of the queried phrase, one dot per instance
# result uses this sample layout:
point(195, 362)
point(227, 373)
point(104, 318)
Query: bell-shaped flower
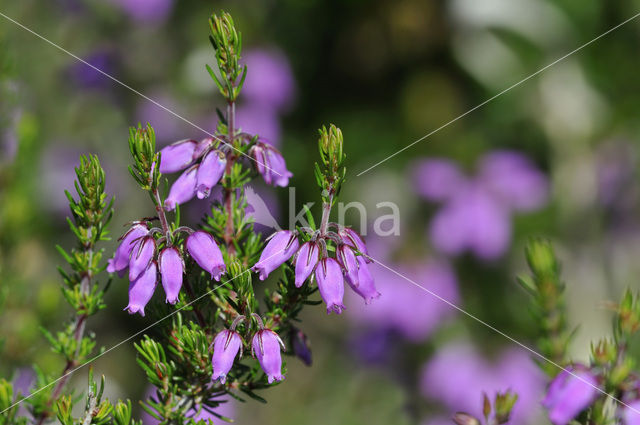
point(141, 290)
point(205, 251)
point(271, 165)
point(183, 189)
point(266, 347)
point(349, 264)
point(141, 255)
point(177, 156)
point(306, 260)
point(570, 393)
point(353, 239)
point(630, 414)
point(366, 288)
point(120, 260)
point(210, 172)
point(279, 249)
point(331, 284)
point(226, 346)
point(171, 271)
point(202, 147)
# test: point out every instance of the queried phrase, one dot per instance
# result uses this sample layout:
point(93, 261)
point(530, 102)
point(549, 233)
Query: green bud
point(503, 405)
point(330, 172)
point(541, 257)
point(604, 352)
point(142, 145)
point(628, 318)
point(227, 43)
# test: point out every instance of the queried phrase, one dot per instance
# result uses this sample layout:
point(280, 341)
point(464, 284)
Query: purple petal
point(437, 179)
point(210, 172)
point(331, 284)
point(205, 251)
point(177, 156)
point(266, 347)
point(183, 189)
point(120, 260)
point(171, 270)
point(279, 249)
point(366, 287)
point(141, 290)
point(226, 346)
point(306, 260)
point(141, 256)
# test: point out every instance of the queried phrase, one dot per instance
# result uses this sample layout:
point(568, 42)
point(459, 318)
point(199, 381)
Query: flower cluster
point(265, 346)
point(349, 264)
point(146, 257)
point(205, 163)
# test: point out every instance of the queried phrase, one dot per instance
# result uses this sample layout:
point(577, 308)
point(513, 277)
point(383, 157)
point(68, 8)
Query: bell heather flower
point(353, 239)
point(569, 394)
point(210, 172)
point(120, 260)
point(629, 413)
point(266, 347)
point(331, 284)
point(306, 260)
point(182, 189)
point(280, 248)
point(141, 290)
point(271, 165)
point(202, 146)
point(226, 346)
point(171, 270)
point(205, 251)
point(366, 288)
point(349, 264)
point(141, 256)
point(177, 156)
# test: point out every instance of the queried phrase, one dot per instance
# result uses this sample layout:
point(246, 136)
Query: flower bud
point(141, 290)
point(353, 239)
point(141, 256)
point(177, 156)
point(367, 288)
point(301, 346)
point(462, 418)
point(331, 284)
point(266, 347)
point(171, 271)
point(226, 346)
point(569, 394)
point(182, 190)
point(349, 264)
point(120, 260)
point(205, 251)
point(210, 172)
point(306, 260)
point(278, 250)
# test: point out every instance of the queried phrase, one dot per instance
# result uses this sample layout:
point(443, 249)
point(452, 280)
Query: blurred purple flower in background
point(268, 91)
point(476, 215)
point(406, 309)
point(458, 375)
point(87, 77)
point(570, 392)
point(148, 11)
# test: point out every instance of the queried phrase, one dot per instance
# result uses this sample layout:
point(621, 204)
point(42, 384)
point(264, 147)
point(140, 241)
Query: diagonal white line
point(500, 94)
point(499, 332)
point(111, 77)
point(121, 342)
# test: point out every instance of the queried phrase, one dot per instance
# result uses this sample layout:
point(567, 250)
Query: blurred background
point(556, 156)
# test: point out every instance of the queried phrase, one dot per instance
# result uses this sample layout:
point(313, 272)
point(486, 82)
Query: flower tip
point(272, 378)
point(133, 309)
point(369, 300)
point(335, 308)
point(203, 192)
point(169, 204)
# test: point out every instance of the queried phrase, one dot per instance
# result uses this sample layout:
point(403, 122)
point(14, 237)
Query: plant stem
point(326, 211)
point(228, 190)
point(161, 214)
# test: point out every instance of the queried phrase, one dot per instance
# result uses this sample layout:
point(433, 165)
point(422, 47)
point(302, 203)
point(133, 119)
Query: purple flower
point(177, 156)
point(270, 164)
point(569, 394)
point(141, 290)
point(279, 249)
point(171, 270)
point(183, 189)
point(331, 284)
point(366, 287)
point(347, 260)
point(266, 347)
point(629, 413)
point(210, 172)
point(146, 10)
point(472, 221)
point(476, 215)
point(407, 309)
point(458, 375)
point(120, 260)
point(300, 346)
point(353, 239)
point(226, 346)
point(141, 256)
point(270, 82)
point(204, 250)
point(306, 260)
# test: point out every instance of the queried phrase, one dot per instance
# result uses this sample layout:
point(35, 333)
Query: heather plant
point(211, 336)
